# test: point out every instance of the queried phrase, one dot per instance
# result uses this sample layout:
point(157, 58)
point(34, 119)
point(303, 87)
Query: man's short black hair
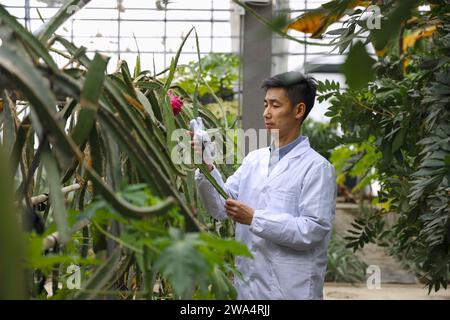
point(299, 88)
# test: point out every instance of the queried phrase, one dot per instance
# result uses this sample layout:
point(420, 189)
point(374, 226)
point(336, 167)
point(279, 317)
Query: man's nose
point(266, 113)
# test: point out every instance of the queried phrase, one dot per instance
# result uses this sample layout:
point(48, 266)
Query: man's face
point(279, 113)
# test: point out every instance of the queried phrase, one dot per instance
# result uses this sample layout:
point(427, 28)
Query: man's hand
point(239, 211)
point(199, 151)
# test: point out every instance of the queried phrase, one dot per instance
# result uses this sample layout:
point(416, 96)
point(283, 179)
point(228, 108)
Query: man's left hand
point(239, 211)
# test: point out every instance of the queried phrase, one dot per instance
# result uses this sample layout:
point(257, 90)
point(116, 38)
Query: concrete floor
point(396, 282)
point(339, 291)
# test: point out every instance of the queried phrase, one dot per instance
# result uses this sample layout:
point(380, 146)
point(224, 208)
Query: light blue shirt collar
point(284, 150)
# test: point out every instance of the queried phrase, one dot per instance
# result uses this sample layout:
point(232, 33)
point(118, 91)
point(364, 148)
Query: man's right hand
point(199, 150)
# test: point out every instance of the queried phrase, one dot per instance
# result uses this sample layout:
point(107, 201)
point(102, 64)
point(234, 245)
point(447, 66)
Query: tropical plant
point(218, 73)
point(394, 116)
point(352, 160)
point(322, 136)
point(96, 185)
point(399, 126)
point(343, 265)
point(219, 70)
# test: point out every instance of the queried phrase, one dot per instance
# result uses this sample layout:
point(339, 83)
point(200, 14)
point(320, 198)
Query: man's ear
point(301, 109)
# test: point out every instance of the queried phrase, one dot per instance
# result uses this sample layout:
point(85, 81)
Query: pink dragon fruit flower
point(176, 102)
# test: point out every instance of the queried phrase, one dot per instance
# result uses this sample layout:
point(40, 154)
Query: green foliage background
point(133, 223)
point(398, 127)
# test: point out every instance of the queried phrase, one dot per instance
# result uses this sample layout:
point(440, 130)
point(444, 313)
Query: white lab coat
point(291, 228)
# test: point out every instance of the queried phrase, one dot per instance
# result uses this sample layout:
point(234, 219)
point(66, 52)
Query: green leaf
point(38, 94)
point(9, 128)
point(199, 71)
point(174, 62)
point(37, 47)
point(36, 90)
point(99, 280)
point(126, 76)
point(358, 67)
point(398, 140)
point(159, 159)
point(433, 163)
point(165, 183)
point(390, 27)
point(149, 85)
point(56, 196)
point(447, 160)
point(348, 37)
point(168, 118)
point(92, 89)
point(226, 245)
point(221, 285)
point(122, 206)
point(147, 106)
point(12, 272)
point(137, 68)
point(63, 14)
point(182, 264)
point(73, 50)
point(337, 31)
point(97, 153)
point(213, 181)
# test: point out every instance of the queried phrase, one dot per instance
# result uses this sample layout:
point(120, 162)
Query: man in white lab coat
point(285, 201)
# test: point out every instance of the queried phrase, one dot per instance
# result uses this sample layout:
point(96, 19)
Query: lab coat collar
point(283, 164)
point(299, 149)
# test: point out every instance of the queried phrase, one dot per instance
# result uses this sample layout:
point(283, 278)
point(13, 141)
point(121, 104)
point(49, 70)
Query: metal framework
point(156, 34)
point(209, 22)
